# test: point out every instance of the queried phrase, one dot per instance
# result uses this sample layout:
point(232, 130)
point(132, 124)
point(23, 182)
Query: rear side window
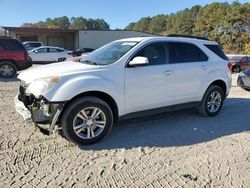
point(59, 50)
point(217, 50)
point(11, 45)
point(53, 50)
point(185, 52)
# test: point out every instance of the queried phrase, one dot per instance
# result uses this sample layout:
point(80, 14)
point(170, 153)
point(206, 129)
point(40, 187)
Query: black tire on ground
point(7, 69)
point(77, 106)
point(203, 108)
point(61, 59)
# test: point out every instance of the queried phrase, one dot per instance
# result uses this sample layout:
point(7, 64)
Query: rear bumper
point(21, 109)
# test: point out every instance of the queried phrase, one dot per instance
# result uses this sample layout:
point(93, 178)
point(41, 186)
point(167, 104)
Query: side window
point(59, 50)
point(41, 50)
point(156, 53)
point(217, 50)
point(185, 52)
point(12, 45)
point(53, 50)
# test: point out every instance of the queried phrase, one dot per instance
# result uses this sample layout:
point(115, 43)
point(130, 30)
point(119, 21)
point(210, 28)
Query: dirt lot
point(177, 149)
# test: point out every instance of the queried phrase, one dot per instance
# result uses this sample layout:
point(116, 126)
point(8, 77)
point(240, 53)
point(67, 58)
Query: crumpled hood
point(55, 69)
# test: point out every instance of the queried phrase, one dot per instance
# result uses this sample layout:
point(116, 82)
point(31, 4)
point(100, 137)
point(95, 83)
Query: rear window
point(217, 50)
point(11, 45)
point(185, 52)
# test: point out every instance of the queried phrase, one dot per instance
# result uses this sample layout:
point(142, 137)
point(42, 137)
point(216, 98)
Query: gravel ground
point(177, 149)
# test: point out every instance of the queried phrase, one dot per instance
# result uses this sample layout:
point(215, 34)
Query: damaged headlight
point(41, 86)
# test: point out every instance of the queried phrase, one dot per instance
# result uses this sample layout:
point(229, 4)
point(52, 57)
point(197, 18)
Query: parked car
point(244, 80)
point(13, 57)
point(29, 45)
point(48, 54)
point(81, 51)
point(123, 79)
point(77, 58)
point(239, 63)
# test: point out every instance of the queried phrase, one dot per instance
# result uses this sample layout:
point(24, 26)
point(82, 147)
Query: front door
point(150, 86)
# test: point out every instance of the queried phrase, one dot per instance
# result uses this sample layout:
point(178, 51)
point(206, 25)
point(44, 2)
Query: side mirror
point(138, 61)
point(36, 51)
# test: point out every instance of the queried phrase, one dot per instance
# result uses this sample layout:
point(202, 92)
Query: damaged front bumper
point(40, 111)
point(21, 109)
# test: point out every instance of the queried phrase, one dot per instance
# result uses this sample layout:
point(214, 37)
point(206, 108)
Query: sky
point(117, 13)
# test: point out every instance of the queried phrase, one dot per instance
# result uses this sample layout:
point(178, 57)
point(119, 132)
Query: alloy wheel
point(89, 123)
point(7, 70)
point(214, 102)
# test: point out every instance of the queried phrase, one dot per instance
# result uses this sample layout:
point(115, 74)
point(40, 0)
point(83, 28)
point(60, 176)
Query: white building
point(70, 39)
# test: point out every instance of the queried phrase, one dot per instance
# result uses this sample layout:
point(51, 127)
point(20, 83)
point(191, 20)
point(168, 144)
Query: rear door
point(191, 68)
point(54, 54)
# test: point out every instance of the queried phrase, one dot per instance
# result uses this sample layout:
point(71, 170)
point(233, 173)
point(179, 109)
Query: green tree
point(79, 23)
point(143, 25)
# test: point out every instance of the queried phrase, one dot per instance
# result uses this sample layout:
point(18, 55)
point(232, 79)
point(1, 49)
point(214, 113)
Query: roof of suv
point(179, 39)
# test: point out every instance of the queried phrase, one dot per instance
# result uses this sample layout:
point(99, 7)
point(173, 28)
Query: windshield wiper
point(89, 62)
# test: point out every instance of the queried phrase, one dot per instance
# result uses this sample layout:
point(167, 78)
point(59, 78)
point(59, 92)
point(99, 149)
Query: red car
point(13, 57)
point(239, 63)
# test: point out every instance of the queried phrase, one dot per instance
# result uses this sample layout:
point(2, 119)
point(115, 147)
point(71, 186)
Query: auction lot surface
point(177, 149)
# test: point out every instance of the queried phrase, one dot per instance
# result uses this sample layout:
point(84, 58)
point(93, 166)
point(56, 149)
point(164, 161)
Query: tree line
point(228, 24)
point(73, 23)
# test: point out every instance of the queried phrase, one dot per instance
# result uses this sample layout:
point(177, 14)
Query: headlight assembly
point(41, 86)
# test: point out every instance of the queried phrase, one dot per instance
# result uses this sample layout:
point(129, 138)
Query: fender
point(214, 76)
point(80, 84)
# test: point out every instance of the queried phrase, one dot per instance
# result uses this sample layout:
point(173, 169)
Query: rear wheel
point(61, 59)
point(7, 69)
point(212, 101)
point(87, 120)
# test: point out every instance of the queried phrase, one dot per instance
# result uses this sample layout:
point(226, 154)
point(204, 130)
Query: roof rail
point(187, 36)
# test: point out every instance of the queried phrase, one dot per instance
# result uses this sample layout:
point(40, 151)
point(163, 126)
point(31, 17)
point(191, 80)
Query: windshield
point(109, 53)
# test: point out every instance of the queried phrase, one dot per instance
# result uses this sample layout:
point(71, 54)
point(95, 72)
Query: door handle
point(168, 73)
point(204, 67)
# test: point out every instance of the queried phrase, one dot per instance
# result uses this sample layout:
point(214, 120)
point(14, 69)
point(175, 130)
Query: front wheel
point(7, 69)
point(87, 120)
point(212, 101)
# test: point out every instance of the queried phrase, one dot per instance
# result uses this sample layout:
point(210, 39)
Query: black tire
point(61, 59)
point(11, 72)
point(74, 108)
point(203, 108)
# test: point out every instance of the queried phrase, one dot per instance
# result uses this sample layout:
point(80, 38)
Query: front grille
point(246, 81)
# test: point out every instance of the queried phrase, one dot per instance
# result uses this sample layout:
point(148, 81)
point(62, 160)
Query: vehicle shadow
point(181, 128)
point(13, 79)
